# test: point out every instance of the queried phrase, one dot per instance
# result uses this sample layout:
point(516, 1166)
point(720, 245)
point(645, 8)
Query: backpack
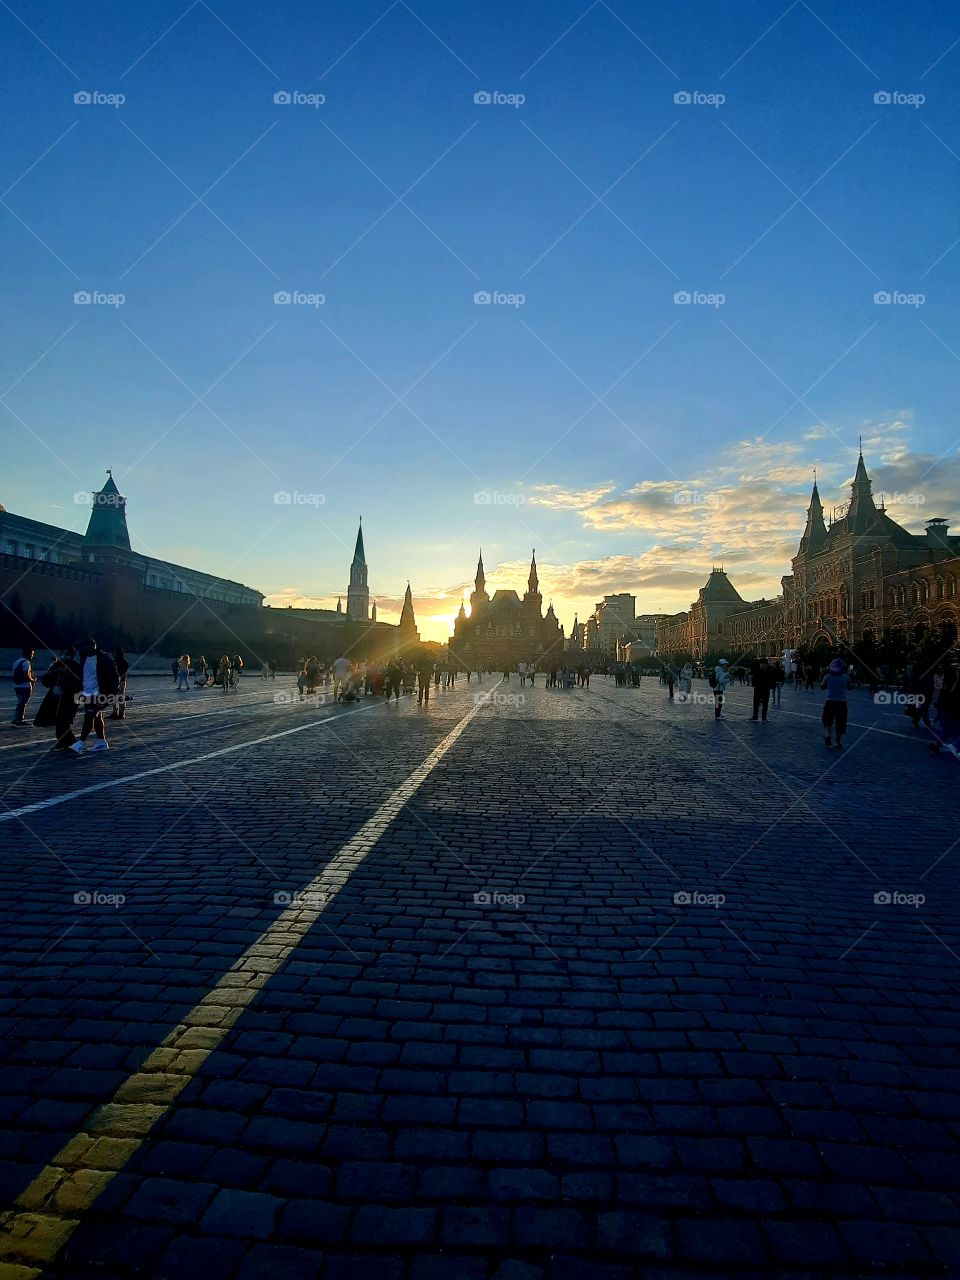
point(712, 679)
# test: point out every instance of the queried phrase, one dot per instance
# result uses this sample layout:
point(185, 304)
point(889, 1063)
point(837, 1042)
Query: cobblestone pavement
point(582, 985)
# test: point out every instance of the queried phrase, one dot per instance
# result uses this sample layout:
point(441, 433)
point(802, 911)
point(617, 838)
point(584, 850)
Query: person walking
point(763, 683)
point(23, 682)
point(224, 672)
point(394, 679)
point(424, 675)
point(63, 682)
point(779, 679)
point(836, 682)
point(183, 681)
point(119, 711)
point(99, 684)
point(719, 683)
point(175, 668)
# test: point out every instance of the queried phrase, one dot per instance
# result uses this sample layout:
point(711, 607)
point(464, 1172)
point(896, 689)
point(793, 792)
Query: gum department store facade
point(856, 579)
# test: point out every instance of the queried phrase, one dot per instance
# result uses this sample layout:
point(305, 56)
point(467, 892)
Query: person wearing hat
point(719, 682)
point(836, 682)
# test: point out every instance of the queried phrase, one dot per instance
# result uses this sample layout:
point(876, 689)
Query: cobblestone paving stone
point(507, 1048)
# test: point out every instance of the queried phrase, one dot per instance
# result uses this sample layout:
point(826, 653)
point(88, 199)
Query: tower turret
point(407, 627)
point(107, 526)
point(479, 597)
point(358, 595)
point(815, 533)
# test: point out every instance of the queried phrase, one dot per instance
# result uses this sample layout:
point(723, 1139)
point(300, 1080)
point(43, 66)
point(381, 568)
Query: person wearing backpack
point(23, 682)
point(719, 679)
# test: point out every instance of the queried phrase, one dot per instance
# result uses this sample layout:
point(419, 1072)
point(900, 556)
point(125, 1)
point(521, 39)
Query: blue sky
point(582, 411)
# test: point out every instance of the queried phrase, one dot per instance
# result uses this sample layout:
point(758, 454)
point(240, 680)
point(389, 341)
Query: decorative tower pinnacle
point(533, 582)
point(358, 596)
point(479, 597)
point(815, 533)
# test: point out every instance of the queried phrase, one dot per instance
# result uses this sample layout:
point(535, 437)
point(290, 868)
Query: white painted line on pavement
point(169, 768)
point(48, 1211)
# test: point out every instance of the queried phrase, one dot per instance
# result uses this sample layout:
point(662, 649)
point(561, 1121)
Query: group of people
point(225, 674)
point(81, 678)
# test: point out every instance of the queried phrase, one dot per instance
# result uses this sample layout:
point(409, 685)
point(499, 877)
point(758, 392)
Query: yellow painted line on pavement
point(49, 1210)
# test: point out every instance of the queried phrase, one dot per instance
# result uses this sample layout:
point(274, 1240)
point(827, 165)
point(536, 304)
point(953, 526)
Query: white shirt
point(343, 668)
point(91, 688)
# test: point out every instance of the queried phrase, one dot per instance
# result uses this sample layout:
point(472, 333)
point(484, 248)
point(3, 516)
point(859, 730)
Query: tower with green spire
point(107, 526)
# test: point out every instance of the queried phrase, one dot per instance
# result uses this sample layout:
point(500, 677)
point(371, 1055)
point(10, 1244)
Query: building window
point(11, 548)
point(28, 551)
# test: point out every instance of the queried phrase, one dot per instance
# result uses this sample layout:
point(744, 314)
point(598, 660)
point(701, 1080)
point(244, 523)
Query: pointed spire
point(461, 616)
point(862, 508)
point(107, 526)
point(339, 605)
point(481, 580)
point(358, 552)
point(407, 627)
point(815, 532)
point(373, 612)
point(533, 581)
